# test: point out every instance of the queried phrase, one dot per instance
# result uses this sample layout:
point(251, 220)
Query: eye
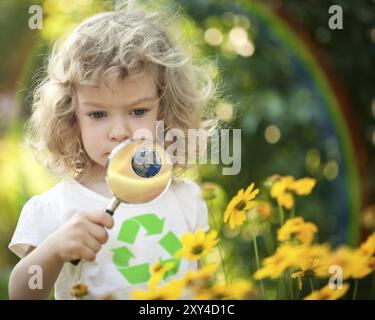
point(139, 112)
point(96, 115)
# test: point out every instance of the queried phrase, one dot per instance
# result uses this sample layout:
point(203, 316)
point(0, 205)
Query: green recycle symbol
point(140, 273)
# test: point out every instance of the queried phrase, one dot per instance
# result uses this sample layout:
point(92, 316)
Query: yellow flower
point(79, 290)
point(240, 289)
point(343, 257)
point(297, 227)
point(217, 292)
point(282, 187)
point(197, 245)
point(235, 211)
point(199, 277)
point(298, 275)
point(171, 291)
point(327, 293)
point(302, 187)
point(158, 271)
point(368, 247)
point(364, 259)
point(316, 259)
point(313, 263)
point(279, 191)
point(354, 263)
point(362, 266)
point(285, 257)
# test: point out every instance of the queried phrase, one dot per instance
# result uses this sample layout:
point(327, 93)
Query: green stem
point(290, 286)
point(269, 240)
point(297, 292)
point(285, 285)
point(281, 213)
point(258, 262)
point(211, 211)
point(279, 288)
point(293, 213)
point(311, 284)
point(355, 291)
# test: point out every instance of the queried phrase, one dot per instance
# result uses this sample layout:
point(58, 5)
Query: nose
point(118, 131)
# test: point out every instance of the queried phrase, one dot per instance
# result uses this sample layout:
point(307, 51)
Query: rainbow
point(281, 25)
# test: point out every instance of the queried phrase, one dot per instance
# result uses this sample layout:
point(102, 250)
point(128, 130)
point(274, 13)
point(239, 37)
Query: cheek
point(92, 135)
point(150, 121)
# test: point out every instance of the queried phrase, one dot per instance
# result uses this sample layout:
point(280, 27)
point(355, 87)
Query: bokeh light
point(272, 134)
point(213, 36)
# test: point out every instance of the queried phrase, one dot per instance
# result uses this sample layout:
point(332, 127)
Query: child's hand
point(82, 236)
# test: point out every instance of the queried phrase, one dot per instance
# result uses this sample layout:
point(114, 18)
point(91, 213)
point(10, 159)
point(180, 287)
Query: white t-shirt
point(142, 234)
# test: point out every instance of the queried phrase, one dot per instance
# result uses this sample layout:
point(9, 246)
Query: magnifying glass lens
point(146, 162)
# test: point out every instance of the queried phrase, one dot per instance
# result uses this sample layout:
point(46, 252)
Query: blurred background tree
point(301, 93)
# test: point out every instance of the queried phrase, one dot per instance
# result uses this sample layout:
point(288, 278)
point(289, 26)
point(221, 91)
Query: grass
point(4, 277)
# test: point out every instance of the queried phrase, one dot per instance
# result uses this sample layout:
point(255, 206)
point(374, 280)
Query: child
point(115, 73)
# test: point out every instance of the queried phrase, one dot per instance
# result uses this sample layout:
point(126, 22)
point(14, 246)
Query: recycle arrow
point(140, 273)
point(130, 227)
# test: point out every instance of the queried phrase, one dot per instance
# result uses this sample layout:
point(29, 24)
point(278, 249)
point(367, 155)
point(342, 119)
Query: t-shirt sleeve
point(193, 206)
point(34, 225)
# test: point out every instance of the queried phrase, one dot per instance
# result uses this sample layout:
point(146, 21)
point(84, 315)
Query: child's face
point(108, 117)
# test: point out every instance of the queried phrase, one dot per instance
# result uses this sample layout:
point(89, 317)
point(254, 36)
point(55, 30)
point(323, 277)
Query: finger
point(102, 218)
point(92, 243)
point(98, 232)
point(87, 254)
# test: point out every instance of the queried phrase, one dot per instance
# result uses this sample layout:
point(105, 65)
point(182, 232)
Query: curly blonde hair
point(106, 47)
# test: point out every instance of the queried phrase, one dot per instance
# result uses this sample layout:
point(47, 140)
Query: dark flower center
point(158, 268)
point(219, 296)
point(198, 249)
point(240, 206)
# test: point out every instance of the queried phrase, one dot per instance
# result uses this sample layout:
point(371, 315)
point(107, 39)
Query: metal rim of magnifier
point(113, 154)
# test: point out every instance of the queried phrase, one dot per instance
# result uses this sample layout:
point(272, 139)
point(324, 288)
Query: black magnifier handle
point(111, 208)
point(75, 262)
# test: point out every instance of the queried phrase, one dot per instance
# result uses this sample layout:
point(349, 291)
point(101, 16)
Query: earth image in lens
point(146, 163)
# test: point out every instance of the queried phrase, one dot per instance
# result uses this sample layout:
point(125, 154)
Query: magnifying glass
point(138, 171)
